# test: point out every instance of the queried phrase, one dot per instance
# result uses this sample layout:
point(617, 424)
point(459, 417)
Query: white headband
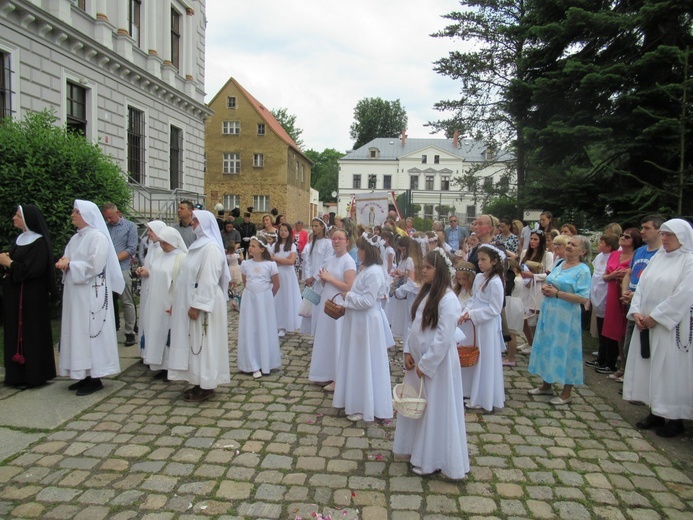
point(447, 261)
point(500, 252)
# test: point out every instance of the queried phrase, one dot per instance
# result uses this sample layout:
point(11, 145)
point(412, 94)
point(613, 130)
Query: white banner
point(371, 208)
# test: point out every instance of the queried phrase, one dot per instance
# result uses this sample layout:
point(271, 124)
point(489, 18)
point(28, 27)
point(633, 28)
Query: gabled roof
point(391, 149)
point(264, 113)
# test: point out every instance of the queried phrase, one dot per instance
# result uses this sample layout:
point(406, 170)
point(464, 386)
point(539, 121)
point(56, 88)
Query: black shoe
point(594, 363)
point(672, 428)
point(79, 384)
point(163, 375)
point(94, 385)
point(129, 340)
point(650, 422)
point(598, 370)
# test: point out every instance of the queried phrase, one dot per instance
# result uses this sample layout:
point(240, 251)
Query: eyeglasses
point(626, 236)
point(453, 221)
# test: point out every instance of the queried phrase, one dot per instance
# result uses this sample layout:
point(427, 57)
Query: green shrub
point(49, 166)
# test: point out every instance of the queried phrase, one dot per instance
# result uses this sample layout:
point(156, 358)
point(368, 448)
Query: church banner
point(371, 208)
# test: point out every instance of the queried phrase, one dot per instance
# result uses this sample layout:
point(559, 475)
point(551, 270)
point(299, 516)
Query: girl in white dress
point(314, 256)
point(388, 260)
point(288, 299)
point(336, 277)
point(362, 386)
point(199, 350)
point(483, 309)
point(438, 440)
point(408, 270)
point(162, 275)
point(258, 343)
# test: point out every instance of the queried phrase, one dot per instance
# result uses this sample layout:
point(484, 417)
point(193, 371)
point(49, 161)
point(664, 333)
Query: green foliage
point(324, 175)
point(423, 224)
point(50, 167)
point(288, 122)
point(501, 207)
point(375, 117)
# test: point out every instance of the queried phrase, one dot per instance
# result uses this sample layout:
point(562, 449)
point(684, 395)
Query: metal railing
point(149, 203)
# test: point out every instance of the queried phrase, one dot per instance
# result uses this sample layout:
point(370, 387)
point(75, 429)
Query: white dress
point(199, 351)
point(164, 269)
point(312, 263)
point(328, 332)
point(534, 296)
point(258, 343)
point(598, 288)
point(88, 341)
point(514, 306)
point(483, 382)
point(399, 307)
point(153, 250)
point(288, 298)
point(438, 440)
point(665, 380)
point(362, 384)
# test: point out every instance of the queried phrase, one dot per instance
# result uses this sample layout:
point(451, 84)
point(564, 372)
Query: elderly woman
point(28, 280)
point(660, 359)
point(557, 350)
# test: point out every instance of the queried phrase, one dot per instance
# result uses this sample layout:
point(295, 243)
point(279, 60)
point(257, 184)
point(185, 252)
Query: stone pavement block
point(260, 510)
point(28, 510)
point(233, 490)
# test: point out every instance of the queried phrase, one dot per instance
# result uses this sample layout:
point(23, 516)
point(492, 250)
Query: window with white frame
point(258, 160)
point(6, 73)
point(136, 157)
point(414, 182)
point(424, 159)
point(231, 163)
point(261, 203)
point(231, 127)
point(445, 182)
point(134, 19)
point(261, 129)
point(356, 182)
point(231, 201)
point(436, 159)
point(175, 38)
point(76, 99)
point(231, 102)
point(429, 182)
point(387, 182)
point(176, 158)
point(428, 211)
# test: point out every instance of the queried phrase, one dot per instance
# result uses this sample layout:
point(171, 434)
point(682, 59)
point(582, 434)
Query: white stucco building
point(427, 167)
point(129, 74)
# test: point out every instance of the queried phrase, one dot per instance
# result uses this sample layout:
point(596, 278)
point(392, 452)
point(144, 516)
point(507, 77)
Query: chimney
point(456, 138)
point(404, 136)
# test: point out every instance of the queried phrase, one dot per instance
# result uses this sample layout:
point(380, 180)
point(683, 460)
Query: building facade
point(251, 160)
point(424, 168)
point(128, 74)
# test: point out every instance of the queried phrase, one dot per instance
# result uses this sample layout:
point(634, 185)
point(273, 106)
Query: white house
point(128, 74)
point(426, 167)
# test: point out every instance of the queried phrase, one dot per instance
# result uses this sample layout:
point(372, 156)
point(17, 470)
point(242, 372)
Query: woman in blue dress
point(557, 350)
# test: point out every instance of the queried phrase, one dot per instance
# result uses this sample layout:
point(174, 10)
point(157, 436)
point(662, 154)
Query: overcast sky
point(318, 58)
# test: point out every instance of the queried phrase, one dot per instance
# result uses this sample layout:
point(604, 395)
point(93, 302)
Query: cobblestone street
point(275, 448)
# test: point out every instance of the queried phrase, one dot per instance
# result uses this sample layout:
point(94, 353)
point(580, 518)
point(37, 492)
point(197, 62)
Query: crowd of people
point(489, 287)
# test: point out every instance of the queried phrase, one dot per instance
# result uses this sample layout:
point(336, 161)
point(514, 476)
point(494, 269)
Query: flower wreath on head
point(446, 258)
point(375, 241)
point(260, 239)
point(500, 252)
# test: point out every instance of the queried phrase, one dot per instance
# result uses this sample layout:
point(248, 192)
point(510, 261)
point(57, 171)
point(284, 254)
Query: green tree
point(494, 105)
point(375, 117)
point(324, 175)
point(610, 119)
point(49, 166)
point(288, 122)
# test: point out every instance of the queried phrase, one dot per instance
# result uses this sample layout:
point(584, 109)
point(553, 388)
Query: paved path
point(275, 448)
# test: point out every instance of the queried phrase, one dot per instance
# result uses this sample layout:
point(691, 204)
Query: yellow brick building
point(251, 160)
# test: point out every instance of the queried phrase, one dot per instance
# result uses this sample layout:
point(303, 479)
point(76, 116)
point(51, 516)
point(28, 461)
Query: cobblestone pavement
point(274, 448)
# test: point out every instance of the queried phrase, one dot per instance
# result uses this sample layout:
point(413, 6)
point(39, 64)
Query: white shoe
point(257, 374)
point(329, 388)
point(281, 333)
point(355, 417)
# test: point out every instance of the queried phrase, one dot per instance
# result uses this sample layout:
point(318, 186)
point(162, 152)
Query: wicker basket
point(310, 295)
point(469, 354)
point(334, 310)
point(407, 401)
